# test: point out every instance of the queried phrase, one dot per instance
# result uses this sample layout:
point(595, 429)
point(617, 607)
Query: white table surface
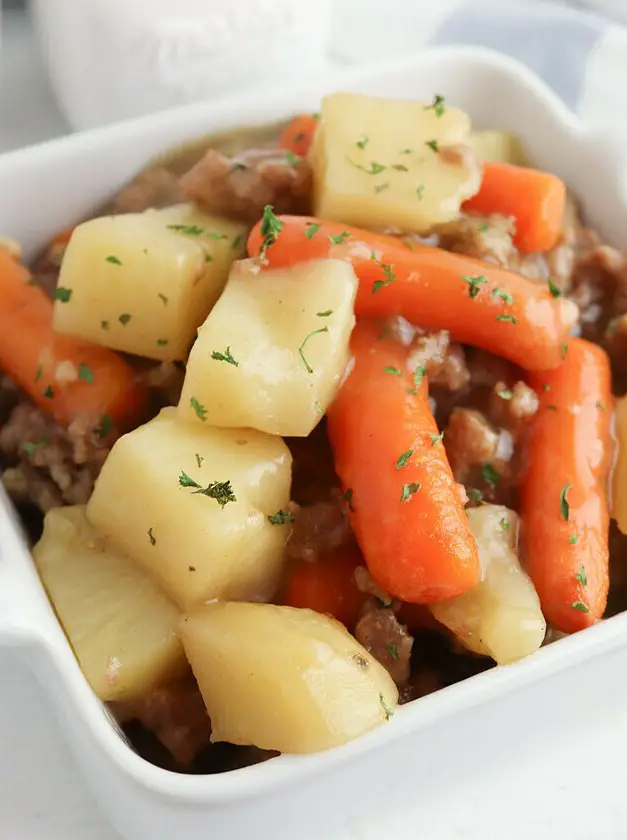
point(566, 782)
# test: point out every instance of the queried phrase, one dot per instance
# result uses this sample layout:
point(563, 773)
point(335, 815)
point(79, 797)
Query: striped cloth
point(581, 55)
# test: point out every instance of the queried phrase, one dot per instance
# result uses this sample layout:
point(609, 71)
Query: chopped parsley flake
point(555, 290)
point(483, 227)
point(409, 490)
point(291, 158)
point(340, 238)
point(509, 319)
point(162, 342)
point(325, 314)
point(489, 474)
point(474, 283)
point(505, 296)
point(163, 298)
point(237, 241)
point(420, 191)
point(393, 651)
point(400, 167)
point(564, 349)
point(302, 346)
point(361, 144)
point(551, 407)
point(403, 459)
point(62, 294)
point(311, 230)
point(406, 152)
point(582, 577)
point(388, 273)
point(271, 227)
point(419, 373)
point(387, 712)
point(573, 540)
point(601, 405)
point(85, 373)
point(375, 168)
point(436, 438)
point(104, 325)
point(347, 496)
point(505, 394)
point(124, 318)
point(103, 429)
point(151, 536)
point(433, 145)
point(546, 387)
point(475, 495)
point(113, 260)
point(394, 371)
point(199, 460)
point(49, 393)
point(380, 187)
point(564, 506)
point(505, 524)
point(581, 607)
point(221, 491)
point(39, 373)
point(437, 105)
point(281, 517)
point(318, 407)
point(225, 357)
point(199, 409)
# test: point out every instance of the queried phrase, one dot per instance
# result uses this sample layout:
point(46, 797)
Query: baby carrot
point(298, 135)
point(535, 199)
point(327, 586)
point(481, 304)
point(405, 507)
point(564, 507)
point(63, 375)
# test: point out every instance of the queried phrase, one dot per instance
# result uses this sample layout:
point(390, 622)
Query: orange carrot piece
point(535, 199)
point(327, 586)
point(479, 303)
point(298, 135)
point(406, 509)
point(63, 375)
point(564, 506)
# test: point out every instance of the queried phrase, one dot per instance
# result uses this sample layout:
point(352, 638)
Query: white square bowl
point(44, 189)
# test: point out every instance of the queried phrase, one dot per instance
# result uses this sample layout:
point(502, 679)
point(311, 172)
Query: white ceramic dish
point(47, 187)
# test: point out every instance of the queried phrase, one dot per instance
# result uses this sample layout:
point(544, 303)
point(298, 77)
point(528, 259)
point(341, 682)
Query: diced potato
point(273, 351)
point(500, 616)
point(619, 489)
point(144, 282)
point(284, 679)
point(499, 146)
point(199, 545)
point(384, 163)
point(123, 629)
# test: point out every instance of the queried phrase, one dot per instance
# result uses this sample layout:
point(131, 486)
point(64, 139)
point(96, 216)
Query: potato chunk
point(191, 504)
point(385, 163)
point(123, 629)
point(272, 352)
point(144, 282)
point(499, 146)
point(500, 616)
point(284, 679)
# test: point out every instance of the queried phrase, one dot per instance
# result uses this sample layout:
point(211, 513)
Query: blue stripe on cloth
point(553, 42)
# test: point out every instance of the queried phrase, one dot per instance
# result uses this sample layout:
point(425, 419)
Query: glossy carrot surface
point(406, 508)
point(564, 505)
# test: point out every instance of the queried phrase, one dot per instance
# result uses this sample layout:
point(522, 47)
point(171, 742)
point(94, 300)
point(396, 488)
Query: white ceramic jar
point(113, 59)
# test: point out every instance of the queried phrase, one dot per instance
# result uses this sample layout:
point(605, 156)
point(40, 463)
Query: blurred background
point(67, 65)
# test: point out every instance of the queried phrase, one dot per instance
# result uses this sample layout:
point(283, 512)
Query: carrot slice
point(64, 376)
point(327, 586)
point(298, 135)
point(406, 509)
point(564, 506)
point(535, 199)
point(479, 303)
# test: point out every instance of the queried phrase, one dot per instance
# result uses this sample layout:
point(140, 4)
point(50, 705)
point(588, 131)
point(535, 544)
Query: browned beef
point(240, 187)
point(443, 362)
point(318, 530)
point(514, 407)
point(381, 633)
point(152, 188)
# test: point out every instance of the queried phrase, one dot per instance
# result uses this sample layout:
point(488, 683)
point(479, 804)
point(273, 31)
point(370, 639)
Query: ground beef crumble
point(380, 632)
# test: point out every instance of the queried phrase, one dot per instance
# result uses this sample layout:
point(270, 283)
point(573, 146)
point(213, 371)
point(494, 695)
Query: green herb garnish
point(199, 460)
point(581, 607)
point(340, 238)
point(113, 260)
point(221, 491)
point(162, 342)
point(505, 394)
point(436, 438)
point(85, 373)
point(151, 536)
point(387, 712)
point(62, 294)
point(281, 517)
point(433, 145)
point(163, 298)
point(409, 490)
point(489, 474)
point(361, 144)
point(554, 290)
point(507, 318)
point(474, 284)
point(437, 105)
point(582, 577)
point(271, 227)
point(501, 293)
point(394, 371)
point(200, 410)
point(291, 158)
point(103, 429)
point(124, 318)
point(564, 506)
point(311, 230)
point(419, 373)
point(347, 496)
point(302, 346)
point(375, 168)
point(393, 651)
point(403, 459)
point(225, 357)
point(49, 393)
